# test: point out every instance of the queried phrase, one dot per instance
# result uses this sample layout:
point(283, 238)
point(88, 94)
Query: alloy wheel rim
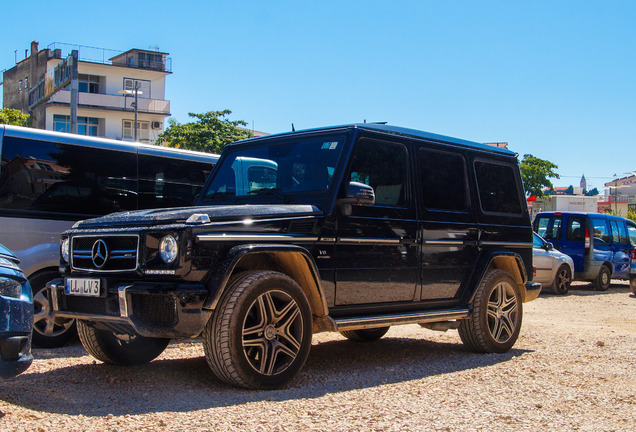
point(503, 313)
point(272, 333)
point(564, 279)
point(43, 322)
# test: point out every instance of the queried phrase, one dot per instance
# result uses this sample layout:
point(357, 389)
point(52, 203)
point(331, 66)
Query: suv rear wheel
point(495, 321)
point(260, 334)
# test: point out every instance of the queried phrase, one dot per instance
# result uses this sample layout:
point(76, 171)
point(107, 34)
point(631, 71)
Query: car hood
point(215, 213)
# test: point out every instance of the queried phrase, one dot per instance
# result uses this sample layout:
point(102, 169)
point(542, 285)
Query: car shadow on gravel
point(187, 384)
point(587, 289)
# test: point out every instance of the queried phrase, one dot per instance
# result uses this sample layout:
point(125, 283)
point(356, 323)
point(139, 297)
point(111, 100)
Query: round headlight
point(168, 249)
point(65, 249)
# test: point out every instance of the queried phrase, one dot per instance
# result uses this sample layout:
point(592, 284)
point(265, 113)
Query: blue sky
point(553, 79)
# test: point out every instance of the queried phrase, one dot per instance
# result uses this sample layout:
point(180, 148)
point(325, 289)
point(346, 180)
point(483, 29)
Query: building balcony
point(114, 102)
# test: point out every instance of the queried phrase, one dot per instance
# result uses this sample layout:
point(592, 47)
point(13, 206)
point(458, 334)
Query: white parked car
point(553, 268)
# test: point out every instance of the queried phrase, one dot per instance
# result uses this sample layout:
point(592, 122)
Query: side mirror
point(357, 194)
point(549, 246)
point(360, 193)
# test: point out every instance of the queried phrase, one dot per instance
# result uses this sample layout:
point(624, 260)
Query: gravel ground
point(572, 369)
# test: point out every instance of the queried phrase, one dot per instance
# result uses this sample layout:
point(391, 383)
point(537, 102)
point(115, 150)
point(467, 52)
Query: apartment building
point(106, 79)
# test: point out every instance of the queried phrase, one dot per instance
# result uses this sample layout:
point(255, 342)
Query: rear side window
point(601, 230)
point(497, 185)
point(575, 229)
point(549, 227)
point(443, 180)
point(619, 232)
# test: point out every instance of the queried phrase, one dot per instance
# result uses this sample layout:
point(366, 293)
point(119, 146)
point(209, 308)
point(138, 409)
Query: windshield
point(276, 169)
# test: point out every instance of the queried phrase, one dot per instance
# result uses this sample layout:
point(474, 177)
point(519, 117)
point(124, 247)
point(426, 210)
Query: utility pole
point(74, 90)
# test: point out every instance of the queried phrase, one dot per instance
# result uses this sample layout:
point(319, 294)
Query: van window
point(631, 231)
point(443, 178)
point(497, 188)
point(261, 177)
point(549, 227)
point(619, 233)
point(575, 228)
point(168, 182)
point(43, 176)
point(601, 231)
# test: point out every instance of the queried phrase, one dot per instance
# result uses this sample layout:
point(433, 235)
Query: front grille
point(148, 309)
point(153, 309)
point(105, 253)
point(89, 305)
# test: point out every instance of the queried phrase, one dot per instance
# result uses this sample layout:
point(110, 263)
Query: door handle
point(407, 240)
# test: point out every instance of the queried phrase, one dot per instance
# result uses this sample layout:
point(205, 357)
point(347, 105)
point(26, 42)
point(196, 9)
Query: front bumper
point(152, 309)
point(15, 353)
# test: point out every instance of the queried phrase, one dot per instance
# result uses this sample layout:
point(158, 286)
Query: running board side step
point(359, 323)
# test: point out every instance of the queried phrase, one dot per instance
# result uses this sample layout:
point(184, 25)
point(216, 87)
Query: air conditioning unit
point(156, 125)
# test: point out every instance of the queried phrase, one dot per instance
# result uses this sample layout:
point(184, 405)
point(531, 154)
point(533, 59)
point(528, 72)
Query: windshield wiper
point(230, 196)
point(270, 191)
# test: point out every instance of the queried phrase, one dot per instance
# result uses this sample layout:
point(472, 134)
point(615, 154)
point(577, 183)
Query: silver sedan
point(553, 268)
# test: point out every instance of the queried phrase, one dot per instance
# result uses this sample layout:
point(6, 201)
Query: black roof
point(396, 130)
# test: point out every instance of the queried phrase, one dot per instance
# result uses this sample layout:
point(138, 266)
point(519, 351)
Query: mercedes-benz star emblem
point(100, 253)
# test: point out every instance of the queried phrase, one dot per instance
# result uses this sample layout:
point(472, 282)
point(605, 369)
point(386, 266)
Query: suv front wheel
point(114, 349)
point(495, 321)
point(260, 334)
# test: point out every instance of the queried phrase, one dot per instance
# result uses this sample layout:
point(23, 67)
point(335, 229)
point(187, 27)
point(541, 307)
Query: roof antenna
point(293, 128)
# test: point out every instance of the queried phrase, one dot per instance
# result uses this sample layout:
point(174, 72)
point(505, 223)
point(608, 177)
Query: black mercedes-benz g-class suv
point(350, 229)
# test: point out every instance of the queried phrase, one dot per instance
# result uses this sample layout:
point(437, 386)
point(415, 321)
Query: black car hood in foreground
point(215, 213)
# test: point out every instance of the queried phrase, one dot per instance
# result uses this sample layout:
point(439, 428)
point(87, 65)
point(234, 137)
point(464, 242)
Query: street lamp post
point(134, 92)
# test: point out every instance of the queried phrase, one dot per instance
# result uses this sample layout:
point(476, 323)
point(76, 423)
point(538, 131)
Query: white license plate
point(83, 287)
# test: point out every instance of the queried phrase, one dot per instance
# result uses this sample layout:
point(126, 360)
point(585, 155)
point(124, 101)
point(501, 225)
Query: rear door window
point(575, 228)
point(601, 230)
point(549, 227)
point(443, 176)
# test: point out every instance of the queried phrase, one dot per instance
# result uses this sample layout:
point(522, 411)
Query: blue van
point(599, 244)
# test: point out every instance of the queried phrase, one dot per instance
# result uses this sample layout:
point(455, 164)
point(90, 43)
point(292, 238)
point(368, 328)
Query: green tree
point(14, 117)
point(536, 174)
point(593, 192)
point(210, 132)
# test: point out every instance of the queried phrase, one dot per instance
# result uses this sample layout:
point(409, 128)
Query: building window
point(20, 85)
point(88, 83)
point(142, 85)
point(26, 82)
point(85, 125)
point(143, 130)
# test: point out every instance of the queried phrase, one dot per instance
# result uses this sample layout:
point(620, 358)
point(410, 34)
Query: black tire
point(632, 284)
point(495, 322)
point(105, 346)
point(603, 280)
point(562, 280)
point(260, 333)
point(365, 335)
point(48, 332)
